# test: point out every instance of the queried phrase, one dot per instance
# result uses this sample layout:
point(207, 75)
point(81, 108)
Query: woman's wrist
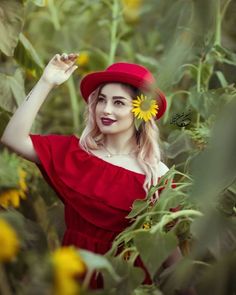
point(45, 83)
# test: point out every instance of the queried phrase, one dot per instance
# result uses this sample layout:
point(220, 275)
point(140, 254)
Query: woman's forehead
point(117, 89)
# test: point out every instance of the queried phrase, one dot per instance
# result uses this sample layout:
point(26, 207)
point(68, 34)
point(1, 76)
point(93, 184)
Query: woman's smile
point(107, 121)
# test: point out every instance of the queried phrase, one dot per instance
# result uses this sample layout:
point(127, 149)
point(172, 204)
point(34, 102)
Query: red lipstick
point(107, 121)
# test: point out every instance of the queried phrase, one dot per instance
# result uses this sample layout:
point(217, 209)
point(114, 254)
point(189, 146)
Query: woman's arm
point(16, 133)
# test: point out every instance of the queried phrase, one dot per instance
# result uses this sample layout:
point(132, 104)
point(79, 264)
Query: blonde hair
point(147, 138)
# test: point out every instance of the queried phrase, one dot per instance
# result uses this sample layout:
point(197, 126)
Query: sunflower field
point(190, 47)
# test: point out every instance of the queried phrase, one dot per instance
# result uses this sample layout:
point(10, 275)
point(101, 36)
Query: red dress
point(97, 195)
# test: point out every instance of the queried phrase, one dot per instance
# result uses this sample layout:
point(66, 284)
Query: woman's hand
point(59, 68)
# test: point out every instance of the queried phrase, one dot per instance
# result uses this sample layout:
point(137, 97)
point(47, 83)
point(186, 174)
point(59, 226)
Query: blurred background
point(190, 47)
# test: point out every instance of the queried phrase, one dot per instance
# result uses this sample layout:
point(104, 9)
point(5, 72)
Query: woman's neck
point(119, 144)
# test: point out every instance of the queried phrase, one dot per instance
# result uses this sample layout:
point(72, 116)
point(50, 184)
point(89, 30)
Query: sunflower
point(83, 59)
point(12, 197)
point(132, 10)
point(9, 241)
point(67, 264)
point(144, 108)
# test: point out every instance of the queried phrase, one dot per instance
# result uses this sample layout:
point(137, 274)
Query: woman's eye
point(118, 102)
point(100, 99)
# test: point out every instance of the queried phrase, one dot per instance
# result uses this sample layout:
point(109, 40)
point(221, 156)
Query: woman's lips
point(106, 121)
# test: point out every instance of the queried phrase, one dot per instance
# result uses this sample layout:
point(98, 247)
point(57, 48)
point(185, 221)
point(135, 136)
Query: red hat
point(129, 73)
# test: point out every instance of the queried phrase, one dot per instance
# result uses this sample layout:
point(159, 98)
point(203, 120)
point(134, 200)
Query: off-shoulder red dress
point(97, 195)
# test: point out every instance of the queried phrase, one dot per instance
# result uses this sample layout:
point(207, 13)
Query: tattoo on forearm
point(28, 96)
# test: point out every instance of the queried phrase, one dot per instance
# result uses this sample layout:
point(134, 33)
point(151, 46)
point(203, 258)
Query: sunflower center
point(145, 105)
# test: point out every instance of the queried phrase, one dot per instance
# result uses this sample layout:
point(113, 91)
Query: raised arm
point(16, 134)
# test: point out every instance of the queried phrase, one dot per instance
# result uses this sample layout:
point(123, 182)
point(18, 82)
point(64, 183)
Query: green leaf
point(155, 248)
point(137, 207)
point(27, 57)
point(98, 262)
point(130, 277)
point(12, 90)
point(11, 23)
point(17, 86)
point(203, 102)
point(6, 97)
point(29, 47)
point(169, 198)
point(151, 191)
point(178, 144)
point(137, 123)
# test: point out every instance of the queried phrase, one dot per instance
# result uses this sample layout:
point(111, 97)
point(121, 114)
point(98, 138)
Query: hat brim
point(91, 81)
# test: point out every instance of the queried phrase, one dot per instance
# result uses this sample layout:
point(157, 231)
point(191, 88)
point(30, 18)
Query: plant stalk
point(74, 104)
point(114, 26)
point(219, 18)
point(54, 15)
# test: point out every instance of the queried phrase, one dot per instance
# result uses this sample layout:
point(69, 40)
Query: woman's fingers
point(71, 69)
point(64, 57)
point(64, 61)
point(68, 59)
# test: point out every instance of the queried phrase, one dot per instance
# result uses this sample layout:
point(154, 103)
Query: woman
point(114, 162)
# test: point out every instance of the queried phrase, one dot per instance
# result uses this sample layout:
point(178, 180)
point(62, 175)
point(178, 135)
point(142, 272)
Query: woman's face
point(113, 110)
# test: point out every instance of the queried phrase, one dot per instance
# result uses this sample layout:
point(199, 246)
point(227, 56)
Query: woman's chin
point(106, 129)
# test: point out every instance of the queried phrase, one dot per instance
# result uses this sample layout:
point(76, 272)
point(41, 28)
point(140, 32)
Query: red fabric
point(97, 195)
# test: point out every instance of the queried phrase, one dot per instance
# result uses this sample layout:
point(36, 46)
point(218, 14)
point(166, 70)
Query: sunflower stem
point(114, 26)
point(74, 103)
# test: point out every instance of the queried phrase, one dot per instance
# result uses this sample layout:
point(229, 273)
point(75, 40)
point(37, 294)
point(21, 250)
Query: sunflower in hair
point(144, 109)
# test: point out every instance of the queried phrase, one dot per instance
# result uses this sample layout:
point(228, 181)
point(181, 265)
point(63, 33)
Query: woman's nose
point(107, 108)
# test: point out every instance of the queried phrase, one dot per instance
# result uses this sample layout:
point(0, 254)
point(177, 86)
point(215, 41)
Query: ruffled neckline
point(104, 162)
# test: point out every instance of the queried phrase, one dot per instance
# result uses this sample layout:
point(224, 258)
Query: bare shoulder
point(162, 168)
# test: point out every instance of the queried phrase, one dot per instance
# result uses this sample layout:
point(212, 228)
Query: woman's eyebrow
point(114, 97)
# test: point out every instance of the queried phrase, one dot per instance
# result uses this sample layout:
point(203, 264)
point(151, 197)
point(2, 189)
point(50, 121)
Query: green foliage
point(9, 165)
point(11, 24)
point(160, 245)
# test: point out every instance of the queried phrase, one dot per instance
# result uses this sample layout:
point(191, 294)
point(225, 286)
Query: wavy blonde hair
point(147, 137)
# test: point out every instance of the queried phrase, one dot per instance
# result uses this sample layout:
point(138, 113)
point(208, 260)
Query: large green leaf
point(12, 90)
point(6, 98)
point(219, 279)
point(179, 142)
point(27, 57)
point(215, 169)
point(11, 23)
point(155, 248)
point(31, 50)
